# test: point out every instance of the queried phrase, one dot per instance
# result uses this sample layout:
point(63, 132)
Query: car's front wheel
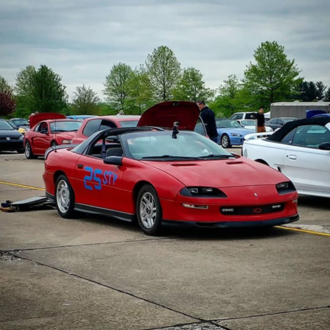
point(149, 211)
point(28, 150)
point(225, 141)
point(64, 197)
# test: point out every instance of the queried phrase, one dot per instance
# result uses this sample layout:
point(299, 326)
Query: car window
point(128, 123)
point(42, 127)
point(249, 116)
point(5, 126)
point(199, 128)
point(91, 127)
point(239, 116)
point(64, 126)
point(234, 117)
point(311, 136)
point(105, 124)
point(288, 139)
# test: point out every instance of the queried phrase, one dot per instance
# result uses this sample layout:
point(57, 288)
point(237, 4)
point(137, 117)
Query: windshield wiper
point(169, 156)
point(216, 156)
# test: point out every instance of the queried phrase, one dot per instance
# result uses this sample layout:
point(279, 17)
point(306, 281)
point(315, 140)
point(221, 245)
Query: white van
point(248, 115)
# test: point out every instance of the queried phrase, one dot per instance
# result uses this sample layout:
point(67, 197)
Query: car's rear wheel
point(149, 211)
point(28, 150)
point(64, 197)
point(225, 141)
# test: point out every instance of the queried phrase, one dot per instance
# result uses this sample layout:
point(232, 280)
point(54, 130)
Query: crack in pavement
point(108, 287)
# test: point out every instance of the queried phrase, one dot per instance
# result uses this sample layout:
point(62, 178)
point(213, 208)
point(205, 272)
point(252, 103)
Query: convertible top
point(285, 129)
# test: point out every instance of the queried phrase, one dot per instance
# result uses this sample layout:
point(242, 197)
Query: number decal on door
point(95, 180)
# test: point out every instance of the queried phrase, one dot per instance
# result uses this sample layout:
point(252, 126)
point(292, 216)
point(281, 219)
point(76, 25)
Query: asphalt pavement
point(99, 273)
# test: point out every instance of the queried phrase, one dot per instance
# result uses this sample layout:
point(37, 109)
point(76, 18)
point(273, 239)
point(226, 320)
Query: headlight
point(285, 187)
point(207, 192)
point(66, 141)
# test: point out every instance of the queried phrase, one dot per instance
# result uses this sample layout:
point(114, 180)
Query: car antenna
point(175, 131)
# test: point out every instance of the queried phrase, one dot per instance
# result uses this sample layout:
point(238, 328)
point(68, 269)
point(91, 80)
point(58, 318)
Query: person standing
point(260, 117)
point(209, 120)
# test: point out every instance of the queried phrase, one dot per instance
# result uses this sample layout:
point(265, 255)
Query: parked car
point(153, 175)
point(301, 151)
point(48, 129)
point(21, 124)
point(159, 115)
point(242, 115)
point(230, 132)
point(251, 124)
point(10, 138)
point(278, 122)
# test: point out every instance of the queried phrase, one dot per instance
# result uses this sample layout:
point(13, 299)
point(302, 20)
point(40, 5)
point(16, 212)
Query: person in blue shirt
point(209, 120)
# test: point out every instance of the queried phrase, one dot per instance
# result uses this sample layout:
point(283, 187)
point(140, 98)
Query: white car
point(300, 150)
point(251, 124)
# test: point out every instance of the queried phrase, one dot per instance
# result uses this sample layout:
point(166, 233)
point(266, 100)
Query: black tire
point(149, 195)
point(28, 151)
point(225, 141)
point(64, 197)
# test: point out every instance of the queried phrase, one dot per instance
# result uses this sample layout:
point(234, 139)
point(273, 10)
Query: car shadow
point(314, 202)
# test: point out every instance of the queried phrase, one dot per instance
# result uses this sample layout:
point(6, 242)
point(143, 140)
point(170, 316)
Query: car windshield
point(162, 146)
point(64, 126)
point(227, 123)
point(5, 126)
point(128, 123)
point(20, 122)
point(249, 122)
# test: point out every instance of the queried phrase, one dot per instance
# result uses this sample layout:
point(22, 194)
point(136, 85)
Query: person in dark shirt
point(260, 117)
point(209, 120)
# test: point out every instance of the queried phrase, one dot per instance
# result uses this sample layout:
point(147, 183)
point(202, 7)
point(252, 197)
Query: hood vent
point(183, 165)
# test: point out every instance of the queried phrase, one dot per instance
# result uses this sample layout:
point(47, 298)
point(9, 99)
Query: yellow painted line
point(21, 185)
point(304, 231)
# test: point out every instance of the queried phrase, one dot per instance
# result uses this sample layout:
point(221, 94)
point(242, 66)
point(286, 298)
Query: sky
point(82, 39)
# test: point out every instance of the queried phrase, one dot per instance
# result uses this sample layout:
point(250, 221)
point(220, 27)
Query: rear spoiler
point(62, 146)
point(254, 136)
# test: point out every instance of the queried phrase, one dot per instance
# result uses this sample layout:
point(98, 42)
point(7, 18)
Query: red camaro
point(48, 129)
point(152, 175)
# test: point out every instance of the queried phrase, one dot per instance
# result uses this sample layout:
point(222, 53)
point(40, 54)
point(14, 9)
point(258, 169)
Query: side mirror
point(113, 160)
point(324, 146)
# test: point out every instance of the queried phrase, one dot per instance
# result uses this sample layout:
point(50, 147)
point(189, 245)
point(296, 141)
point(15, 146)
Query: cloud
point(82, 40)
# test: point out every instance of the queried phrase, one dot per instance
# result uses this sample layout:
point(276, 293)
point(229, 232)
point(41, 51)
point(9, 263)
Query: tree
point(273, 77)
point(164, 72)
point(7, 103)
point(139, 92)
point(320, 90)
point(85, 101)
point(191, 87)
point(116, 85)
point(4, 86)
point(327, 95)
point(230, 98)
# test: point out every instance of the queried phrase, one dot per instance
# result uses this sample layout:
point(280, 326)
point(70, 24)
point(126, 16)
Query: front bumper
point(11, 145)
point(236, 140)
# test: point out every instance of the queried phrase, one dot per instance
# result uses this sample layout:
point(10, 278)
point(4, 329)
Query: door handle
point(292, 157)
point(80, 166)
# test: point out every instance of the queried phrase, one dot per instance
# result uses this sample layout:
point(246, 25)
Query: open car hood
point(35, 119)
point(166, 113)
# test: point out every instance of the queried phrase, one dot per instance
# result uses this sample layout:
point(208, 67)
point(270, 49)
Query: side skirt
point(101, 211)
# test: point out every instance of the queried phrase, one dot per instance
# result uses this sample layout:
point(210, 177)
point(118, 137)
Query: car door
point(100, 185)
point(41, 139)
point(304, 163)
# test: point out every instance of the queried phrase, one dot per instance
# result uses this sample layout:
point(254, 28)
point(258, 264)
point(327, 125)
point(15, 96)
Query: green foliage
point(327, 95)
point(39, 90)
point(116, 85)
point(191, 87)
point(7, 103)
point(163, 71)
point(85, 101)
point(273, 77)
point(321, 88)
point(139, 92)
point(4, 86)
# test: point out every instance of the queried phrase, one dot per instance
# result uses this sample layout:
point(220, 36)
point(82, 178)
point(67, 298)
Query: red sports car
point(152, 175)
point(94, 124)
point(48, 130)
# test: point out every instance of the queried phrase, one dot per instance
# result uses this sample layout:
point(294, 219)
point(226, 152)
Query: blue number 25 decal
point(94, 181)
